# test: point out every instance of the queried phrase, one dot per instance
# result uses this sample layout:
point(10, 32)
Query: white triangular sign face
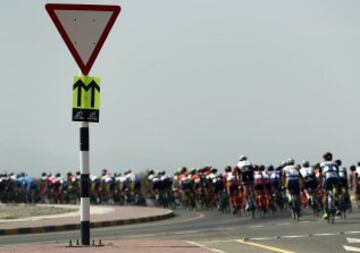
point(84, 29)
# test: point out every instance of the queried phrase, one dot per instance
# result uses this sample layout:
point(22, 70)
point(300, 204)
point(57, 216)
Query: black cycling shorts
point(310, 183)
point(343, 182)
point(294, 187)
point(247, 177)
point(331, 183)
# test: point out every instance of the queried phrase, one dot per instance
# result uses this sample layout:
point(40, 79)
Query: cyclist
point(292, 183)
point(357, 183)
point(217, 184)
point(231, 183)
point(274, 177)
point(329, 172)
point(247, 179)
point(343, 185)
point(309, 180)
point(259, 185)
point(352, 177)
point(186, 185)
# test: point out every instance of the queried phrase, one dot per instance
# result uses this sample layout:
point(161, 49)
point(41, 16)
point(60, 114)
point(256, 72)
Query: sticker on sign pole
point(84, 28)
point(86, 99)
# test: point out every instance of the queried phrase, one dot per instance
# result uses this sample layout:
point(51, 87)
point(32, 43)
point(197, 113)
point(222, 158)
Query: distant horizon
point(190, 83)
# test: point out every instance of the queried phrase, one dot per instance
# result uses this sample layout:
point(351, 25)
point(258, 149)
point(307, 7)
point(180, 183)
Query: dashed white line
point(353, 240)
point(351, 232)
point(257, 226)
point(325, 234)
point(294, 236)
point(262, 238)
point(351, 249)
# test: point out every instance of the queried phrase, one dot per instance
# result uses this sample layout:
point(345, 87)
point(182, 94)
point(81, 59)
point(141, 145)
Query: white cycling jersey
point(274, 174)
point(243, 164)
point(306, 172)
point(93, 178)
point(106, 178)
point(258, 175)
point(329, 170)
point(342, 172)
point(357, 171)
point(230, 177)
point(265, 175)
point(291, 173)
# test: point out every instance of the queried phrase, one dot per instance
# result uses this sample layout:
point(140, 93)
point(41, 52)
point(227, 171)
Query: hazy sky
point(191, 82)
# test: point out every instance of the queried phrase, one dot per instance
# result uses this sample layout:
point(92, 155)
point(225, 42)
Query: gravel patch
point(18, 211)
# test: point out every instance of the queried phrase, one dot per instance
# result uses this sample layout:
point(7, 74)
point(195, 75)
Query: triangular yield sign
point(84, 28)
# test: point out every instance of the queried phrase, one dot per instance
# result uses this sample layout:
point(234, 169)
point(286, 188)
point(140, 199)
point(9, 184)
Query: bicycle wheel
point(295, 208)
point(331, 208)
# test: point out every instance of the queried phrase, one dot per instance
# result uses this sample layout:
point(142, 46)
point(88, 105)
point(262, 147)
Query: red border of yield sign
point(84, 66)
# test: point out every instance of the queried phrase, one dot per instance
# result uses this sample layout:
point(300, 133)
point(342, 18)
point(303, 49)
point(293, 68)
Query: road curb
point(100, 224)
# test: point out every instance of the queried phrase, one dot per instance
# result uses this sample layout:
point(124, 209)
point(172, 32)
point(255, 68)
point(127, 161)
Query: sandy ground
point(16, 211)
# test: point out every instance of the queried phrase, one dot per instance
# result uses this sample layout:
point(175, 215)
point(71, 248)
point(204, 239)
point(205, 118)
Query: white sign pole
point(85, 183)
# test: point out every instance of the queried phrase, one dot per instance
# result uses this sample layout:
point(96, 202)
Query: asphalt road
point(225, 233)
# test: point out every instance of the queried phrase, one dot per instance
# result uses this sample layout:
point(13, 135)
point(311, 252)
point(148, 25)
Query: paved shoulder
point(109, 216)
point(132, 246)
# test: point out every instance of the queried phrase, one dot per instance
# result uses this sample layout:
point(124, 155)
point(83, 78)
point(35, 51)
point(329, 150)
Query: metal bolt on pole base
point(78, 245)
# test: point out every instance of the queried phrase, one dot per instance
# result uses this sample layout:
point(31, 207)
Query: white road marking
point(353, 240)
point(257, 226)
point(206, 247)
point(351, 249)
point(185, 232)
point(351, 232)
point(294, 236)
point(325, 234)
point(263, 246)
point(262, 238)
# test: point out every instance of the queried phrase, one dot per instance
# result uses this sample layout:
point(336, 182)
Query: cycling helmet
point(242, 158)
point(214, 170)
point(327, 156)
point(183, 170)
point(291, 161)
point(305, 164)
point(316, 165)
point(227, 168)
point(338, 162)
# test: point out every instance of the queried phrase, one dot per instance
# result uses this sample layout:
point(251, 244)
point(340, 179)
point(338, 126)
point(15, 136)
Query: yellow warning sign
point(86, 92)
point(86, 98)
